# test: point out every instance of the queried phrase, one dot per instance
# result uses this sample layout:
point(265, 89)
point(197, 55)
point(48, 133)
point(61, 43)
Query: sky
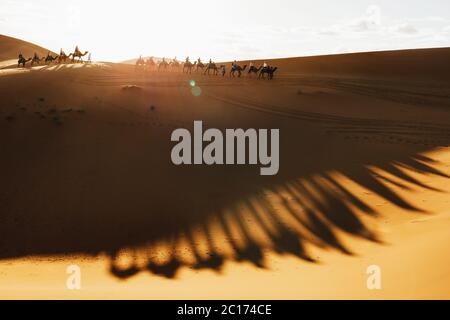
point(227, 29)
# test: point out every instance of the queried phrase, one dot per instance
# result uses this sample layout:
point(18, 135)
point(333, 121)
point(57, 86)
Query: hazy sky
point(231, 29)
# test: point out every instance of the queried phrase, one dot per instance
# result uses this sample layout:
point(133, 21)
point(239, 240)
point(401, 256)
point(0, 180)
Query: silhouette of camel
point(62, 57)
point(199, 65)
point(237, 68)
point(164, 65)
point(140, 64)
point(188, 66)
point(36, 59)
point(211, 66)
point(22, 61)
point(267, 70)
point(49, 59)
point(254, 70)
point(175, 65)
point(77, 54)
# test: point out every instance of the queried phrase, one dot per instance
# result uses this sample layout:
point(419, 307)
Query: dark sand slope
point(86, 161)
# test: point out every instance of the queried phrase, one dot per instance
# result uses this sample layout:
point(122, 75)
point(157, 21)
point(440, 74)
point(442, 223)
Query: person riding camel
point(199, 61)
point(265, 65)
point(77, 50)
point(187, 59)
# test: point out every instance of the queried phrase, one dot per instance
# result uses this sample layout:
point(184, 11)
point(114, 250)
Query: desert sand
point(363, 180)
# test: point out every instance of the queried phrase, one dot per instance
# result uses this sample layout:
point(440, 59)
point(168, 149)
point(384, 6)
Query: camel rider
point(199, 61)
point(36, 57)
point(77, 50)
point(265, 65)
point(210, 61)
point(187, 59)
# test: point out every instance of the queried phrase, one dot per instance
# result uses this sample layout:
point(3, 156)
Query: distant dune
point(364, 170)
point(419, 64)
point(11, 47)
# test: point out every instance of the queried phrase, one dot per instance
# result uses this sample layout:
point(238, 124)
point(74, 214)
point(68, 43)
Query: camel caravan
point(62, 57)
point(210, 68)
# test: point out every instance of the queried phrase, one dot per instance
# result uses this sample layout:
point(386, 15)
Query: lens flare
point(196, 91)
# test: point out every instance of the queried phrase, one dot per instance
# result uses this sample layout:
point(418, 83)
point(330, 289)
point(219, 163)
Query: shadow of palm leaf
point(126, 195)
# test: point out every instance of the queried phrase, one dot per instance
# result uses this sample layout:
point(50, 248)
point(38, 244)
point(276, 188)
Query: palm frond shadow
point(120, 192)
point(314, 210)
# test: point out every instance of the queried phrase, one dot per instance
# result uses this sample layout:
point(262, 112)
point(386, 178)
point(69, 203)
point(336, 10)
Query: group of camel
point(76, 56)
point(264, 71)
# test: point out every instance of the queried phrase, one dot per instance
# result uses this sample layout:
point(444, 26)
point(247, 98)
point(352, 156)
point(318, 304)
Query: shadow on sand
point(101, 204)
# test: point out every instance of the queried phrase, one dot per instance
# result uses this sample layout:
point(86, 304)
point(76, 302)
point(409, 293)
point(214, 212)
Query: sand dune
point(363, 179)
point(11, 47)
point(417, 64)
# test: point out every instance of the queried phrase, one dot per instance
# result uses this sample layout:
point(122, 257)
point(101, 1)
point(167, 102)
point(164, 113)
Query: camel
point(200, 65)
point(163, 64)
point(237, 68)
point(63, 56)
point(269, 71)
point(78, 54)
point(175, 65)
point(188, 66)
point(36, 59)
point(211, 66)
point(50, 58)
point(140, 63)
point(22, 61)
point(150, 64)
point(254, 70)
